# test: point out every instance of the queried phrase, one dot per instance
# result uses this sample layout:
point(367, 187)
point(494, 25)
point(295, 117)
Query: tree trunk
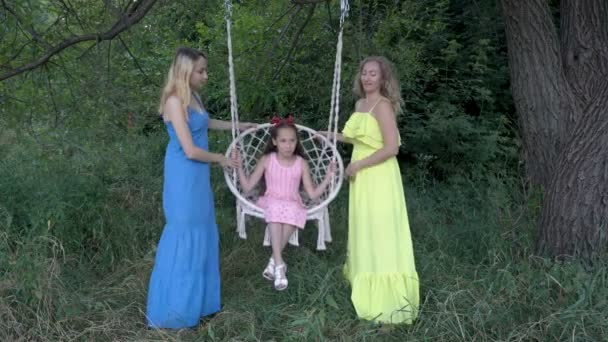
point(574, 219)
point(542, 97)
point(560, 89)
point(584, 33)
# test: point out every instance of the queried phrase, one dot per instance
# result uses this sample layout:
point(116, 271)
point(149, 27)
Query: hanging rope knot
point(344, 8)
point(228, 6)
point(276, 121)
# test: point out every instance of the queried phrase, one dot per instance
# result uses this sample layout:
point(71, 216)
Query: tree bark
point(542, 97)
point(584, 33)
point(560, 89)
point(574, 219)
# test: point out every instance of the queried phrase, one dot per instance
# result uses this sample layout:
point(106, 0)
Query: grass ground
point(77, 243)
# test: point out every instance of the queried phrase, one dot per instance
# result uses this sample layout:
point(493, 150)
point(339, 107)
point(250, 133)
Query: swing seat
point(319, 152)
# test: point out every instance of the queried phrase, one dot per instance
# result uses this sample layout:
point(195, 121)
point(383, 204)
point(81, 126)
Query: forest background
point(82, 146)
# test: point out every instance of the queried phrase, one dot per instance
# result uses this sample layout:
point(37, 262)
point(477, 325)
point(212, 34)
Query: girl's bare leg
point(287, 231)
point(276, 241)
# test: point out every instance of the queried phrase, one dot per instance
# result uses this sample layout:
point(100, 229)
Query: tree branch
point(295, 41)
point(70, 8)
point(113, 8)
point(133, 16)
point(278, 39)
point(10, 59)
point(329, 14)
point(280, 17)
point(35, 36)
point(135, 60)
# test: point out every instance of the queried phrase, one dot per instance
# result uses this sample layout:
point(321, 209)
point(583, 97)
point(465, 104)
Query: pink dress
point(282, 202)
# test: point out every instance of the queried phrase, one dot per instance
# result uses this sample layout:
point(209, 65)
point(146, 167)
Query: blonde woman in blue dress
point(185, 282)
point(380, 260)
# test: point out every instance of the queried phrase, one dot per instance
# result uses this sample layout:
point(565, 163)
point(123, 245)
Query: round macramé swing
point(319, 152)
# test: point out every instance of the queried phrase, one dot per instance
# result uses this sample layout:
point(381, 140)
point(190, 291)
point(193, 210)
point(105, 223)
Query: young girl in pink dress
point(284, 168)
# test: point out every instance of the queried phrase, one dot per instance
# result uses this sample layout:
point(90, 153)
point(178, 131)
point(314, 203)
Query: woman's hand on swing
point(236, 157)
point(322, 134)
point(228, 163)
point(328, 135)
point(352, 169)
point(331, 170)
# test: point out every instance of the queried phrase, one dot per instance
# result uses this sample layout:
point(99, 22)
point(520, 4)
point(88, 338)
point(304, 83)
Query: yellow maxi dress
point(380, 260)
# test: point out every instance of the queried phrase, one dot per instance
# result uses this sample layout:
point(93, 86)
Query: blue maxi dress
point(185, 281)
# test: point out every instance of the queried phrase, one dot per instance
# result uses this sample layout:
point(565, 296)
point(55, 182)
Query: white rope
point(251, 141)
point(344, 7)
point(334, 111)
point(234, 114)
point(335, 95)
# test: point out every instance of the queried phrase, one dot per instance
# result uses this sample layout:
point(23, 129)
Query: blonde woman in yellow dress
point(380, 260)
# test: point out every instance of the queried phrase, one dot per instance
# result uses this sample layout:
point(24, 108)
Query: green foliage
point(452, 64)
point(84, 196)
point(278, 70)
point(81, 149)
point(472, 247)
point(450, 56)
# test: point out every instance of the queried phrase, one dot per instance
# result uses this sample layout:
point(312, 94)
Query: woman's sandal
point(280, 279)
point(269, 270)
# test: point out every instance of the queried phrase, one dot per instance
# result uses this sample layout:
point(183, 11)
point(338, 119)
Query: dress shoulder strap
point(271, 158)
point(300, 161)
point(377, 101)
point(198, 100)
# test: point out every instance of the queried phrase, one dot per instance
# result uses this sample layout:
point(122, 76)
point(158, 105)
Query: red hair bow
point(278, 121)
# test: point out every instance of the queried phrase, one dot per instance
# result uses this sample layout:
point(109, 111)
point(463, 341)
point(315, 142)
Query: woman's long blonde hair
point(178, 78)
point(389, 88)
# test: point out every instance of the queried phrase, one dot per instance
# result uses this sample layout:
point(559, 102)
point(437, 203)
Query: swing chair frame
point(316, 210)
point(319, 211)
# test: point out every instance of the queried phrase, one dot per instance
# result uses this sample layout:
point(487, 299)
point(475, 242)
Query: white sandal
point(269, 270)
point(280, 278)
